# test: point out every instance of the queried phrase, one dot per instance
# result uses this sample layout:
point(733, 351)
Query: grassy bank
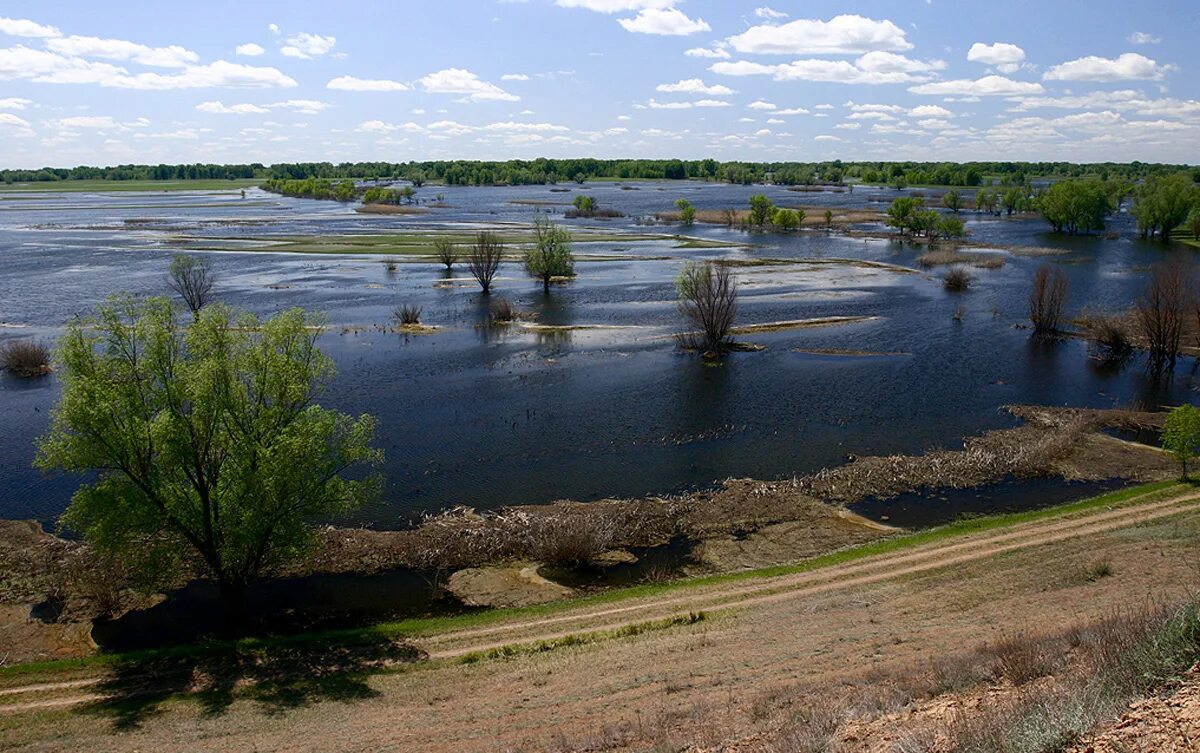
point(424, 627)
point(106, 186)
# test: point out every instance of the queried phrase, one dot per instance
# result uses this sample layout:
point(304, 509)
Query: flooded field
point(589, 397)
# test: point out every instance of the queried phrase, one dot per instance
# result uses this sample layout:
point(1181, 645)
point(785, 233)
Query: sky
point(101, 83)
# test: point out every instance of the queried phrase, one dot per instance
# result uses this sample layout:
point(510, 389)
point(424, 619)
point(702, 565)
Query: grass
point(105, 186)
point(427, 626)
point(582, 639)
point(423, 244)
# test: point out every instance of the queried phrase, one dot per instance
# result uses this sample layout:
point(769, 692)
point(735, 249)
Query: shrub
point(1161, 310)
point(1110, 339)
point(1048, 299)
point(25, 358)
point(503, 311)
point(761, 209)
point(193, 279)
point(1021, 658)
point(408, 315)
point(446, 252)
point(687, 212)
point(550, 256)
point(484, 259)
point(572, 539)
point(1181, 435)
point(957, 280)
point(707, 298)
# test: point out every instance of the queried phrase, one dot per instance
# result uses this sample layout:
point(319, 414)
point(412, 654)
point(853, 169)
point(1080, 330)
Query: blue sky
point(86, 82)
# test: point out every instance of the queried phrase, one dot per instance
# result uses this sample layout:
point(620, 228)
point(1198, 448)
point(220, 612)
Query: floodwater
point(486, 417)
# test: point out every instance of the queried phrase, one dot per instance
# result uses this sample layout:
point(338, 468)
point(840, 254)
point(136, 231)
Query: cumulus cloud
point(250, 50)
point(1126, 67)
point(825, 137)
point(352, 84)
point(513, 127)
point(1141, 37)
point(461, 81)
point(305, 45)
point(986, 86)
point(930, 111)
point(694, 86)
point(172, 56)
point(762, 105)
point(379, 126)
point(13, 125)
point(664, 21)
point(23, 27)
point(15, 103)
point(1000, 53)
point(716, 53)
point(42, 66)
point(514, 77)
point(219, 108)
point(92, 122)
point(871, 68)
point(841, 35)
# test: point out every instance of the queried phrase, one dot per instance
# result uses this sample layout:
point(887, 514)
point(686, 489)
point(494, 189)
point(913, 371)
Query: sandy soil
point(691, 686)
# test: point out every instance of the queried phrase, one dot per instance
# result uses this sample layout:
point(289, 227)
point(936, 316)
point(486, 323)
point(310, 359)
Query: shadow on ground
point(276, 678)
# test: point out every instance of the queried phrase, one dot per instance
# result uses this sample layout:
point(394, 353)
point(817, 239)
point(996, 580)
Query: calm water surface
point(485, 417)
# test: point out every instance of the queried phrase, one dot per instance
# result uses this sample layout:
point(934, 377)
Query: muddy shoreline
point(52, 589)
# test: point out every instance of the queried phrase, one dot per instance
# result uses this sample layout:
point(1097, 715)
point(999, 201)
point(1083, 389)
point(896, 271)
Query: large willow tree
point(204, 438)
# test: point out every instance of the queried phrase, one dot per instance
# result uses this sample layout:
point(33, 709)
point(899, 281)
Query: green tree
point(1192, 223)
point(761, 209)
point(550, 255)
point(1181, 435)
point(205, 439)
point(952, 200)
point(584, 205)
point(1162, 203)
point(828, 219)
point(951, 227)
point(1077, 205)
point(786, 219)
point(1013, 200)
point(687, 212)
point(902, 211)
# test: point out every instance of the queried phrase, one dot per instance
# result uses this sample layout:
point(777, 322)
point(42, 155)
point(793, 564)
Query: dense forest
point(548, 171)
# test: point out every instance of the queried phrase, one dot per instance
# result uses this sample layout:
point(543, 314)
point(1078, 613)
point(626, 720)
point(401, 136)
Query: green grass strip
point(429, 626)
point(581, 639)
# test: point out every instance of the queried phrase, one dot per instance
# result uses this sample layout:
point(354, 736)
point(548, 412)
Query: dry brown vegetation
point(25, 358)
point(1048, 299)
point(813, 216)
point(1162, 311)
point(944, 256)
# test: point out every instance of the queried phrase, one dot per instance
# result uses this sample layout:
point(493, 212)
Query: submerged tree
point(1163, 308)
point(1047, 299)
point(206, 439)
point(585, 206)
point(550, 255)
point(446, 252)
point(1181, 435)
point(952, 200)
point(193, 279)
point(687, 212)
point(483, 259)
point(708, 299)
point(761, 209)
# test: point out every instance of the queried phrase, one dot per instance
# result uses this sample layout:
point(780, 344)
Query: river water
point(481, 417)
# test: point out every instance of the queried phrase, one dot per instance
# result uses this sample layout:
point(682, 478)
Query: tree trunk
point(233, 605)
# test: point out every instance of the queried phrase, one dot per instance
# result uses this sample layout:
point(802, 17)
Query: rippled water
point(485, 418)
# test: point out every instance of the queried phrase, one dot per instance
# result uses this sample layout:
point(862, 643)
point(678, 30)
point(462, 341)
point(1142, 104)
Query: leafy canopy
point(1181, 435)
point(205, 439)
point(550, 256)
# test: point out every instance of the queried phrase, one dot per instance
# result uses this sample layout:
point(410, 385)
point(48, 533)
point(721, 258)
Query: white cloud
point(15, 103)
point(841, 35)
point(1000, 53)
point(791, 111)
point(769, 13)
point(250, 50)
point(871, 68)
point(664, 21)
point(514, 77)
point(512, 127)
point(986, 86)
point(219, 108)
point(694, 86)
point(350, 83)
point(173, 56)
point(1141, 37)
point(461, 81)
point(656, 105)
point(42, 66)
point(930, 111)
point(379, 126)
point(303, 106)
point(94, 122)
point(218, 74)
point(305, 45)
point(717, 53)
point(1128, 66)
point(711, 103)
point(22, 27)
point(849, 126)
point(825, 137)
point(761, 105)
point(18, 125)
point(615, 6)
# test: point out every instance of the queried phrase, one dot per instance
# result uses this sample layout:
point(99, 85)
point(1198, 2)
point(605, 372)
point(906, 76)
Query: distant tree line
point(549, 171)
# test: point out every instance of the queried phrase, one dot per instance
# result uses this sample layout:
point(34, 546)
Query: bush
point(1110, 339)
point(408, 315)
point(503, 311)
point(708, 298)
point(1163, 307)
point(1048, 299)
point(957, 280)
point(484, 259)
point(25, 358)
point(446, 252)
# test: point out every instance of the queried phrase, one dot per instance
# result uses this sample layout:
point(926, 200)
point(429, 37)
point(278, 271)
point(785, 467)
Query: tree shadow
point(277, 676)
